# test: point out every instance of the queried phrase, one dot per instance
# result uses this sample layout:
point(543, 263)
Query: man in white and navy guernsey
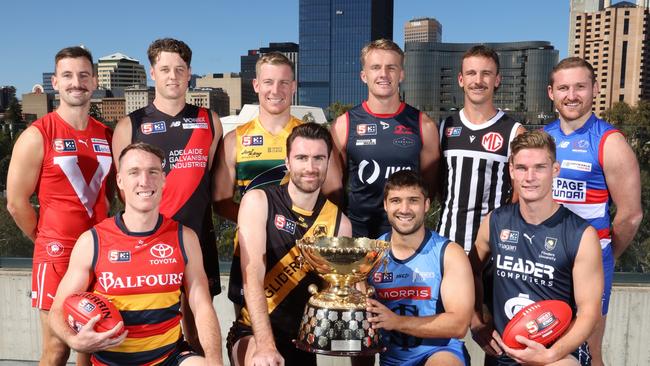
point(377, 138)
point(596, 166)
point(424, 291)
point(474, 143)
point(541, 251)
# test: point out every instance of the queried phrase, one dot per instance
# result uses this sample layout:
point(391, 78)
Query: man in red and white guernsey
point(141, 261)
point(64, 158)
point(188, 135)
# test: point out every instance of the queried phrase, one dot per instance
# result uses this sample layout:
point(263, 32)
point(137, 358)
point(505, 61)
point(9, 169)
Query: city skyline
point(209, 29)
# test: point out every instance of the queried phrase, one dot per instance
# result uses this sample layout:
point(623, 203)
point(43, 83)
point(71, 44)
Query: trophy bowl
point(335, 319)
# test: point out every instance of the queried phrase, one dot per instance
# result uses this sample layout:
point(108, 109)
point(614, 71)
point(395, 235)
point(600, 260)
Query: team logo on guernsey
point(366, 129)
point(403, 142)
point(550, 243)
point(580, 146)
point(119, 256)
point(65, 145)
point(284, 224)
point(161, 250)
point(576, 165)
point(257, 140)
point(382, 277)
point(513, 305)
point(403, 130)
point(453, 131)
point(509, 236)
point(54, 249)
point(148, 128)
point(492, 141)
point(320, 230)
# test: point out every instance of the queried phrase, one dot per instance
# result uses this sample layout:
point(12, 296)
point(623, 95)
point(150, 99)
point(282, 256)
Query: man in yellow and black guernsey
point(270, 220)
point(252, 155)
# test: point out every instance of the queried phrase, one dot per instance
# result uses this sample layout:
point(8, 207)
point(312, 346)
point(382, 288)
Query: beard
point(399, 228)
point(307, 187)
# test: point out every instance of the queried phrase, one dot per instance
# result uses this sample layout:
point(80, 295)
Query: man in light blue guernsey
point(424, 289)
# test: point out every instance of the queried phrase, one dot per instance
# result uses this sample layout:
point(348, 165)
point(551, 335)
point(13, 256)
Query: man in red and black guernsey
point(64, 158)
point(188, 135)
point(377, 138)
point(140, 260)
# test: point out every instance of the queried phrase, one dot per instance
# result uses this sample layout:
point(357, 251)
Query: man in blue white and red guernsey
point(141, 261)
point(424, 291)
point(188, 135)
point(540, 251)
point(377, 138)
point(596, 166)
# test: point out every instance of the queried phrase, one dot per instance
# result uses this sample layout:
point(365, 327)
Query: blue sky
point(220, 31)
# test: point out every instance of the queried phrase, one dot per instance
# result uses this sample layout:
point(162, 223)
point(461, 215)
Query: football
point(79, 308)
point(542, 322)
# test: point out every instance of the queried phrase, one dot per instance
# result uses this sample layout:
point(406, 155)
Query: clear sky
point(220, 31)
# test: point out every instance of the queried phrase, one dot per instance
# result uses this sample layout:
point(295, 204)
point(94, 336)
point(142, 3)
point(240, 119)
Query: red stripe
point(402, 105)
point(603, 233)
point(602, 144)
point(597, 195)
point(148, 330)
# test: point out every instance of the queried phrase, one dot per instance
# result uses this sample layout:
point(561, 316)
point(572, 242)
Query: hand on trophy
point(382, 317)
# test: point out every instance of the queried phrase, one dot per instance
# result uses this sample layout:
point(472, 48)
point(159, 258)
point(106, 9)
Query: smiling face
point(479, 79)
point(307, 164)
point(382, 72)
point(275, 87)
point(532, 171)
point(75, 81)
point(573, 93)
point(141, 178)
point(171, 75)
point(406, 208)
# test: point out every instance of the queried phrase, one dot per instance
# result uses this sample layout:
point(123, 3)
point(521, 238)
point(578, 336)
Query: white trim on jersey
point(475, 155)
point(482, 126)
point(587, 211)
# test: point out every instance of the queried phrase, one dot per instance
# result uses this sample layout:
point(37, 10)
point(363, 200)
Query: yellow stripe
point(159, 300)
point(149, 343)
point(325, 223)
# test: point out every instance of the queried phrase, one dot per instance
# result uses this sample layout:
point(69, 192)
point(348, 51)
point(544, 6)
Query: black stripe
point(95, 247)
point(141, 317)
point(133, 358)
point(181, 243)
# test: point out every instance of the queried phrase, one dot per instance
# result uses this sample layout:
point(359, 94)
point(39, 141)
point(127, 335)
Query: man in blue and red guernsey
point(377, 138)
point(140, 260)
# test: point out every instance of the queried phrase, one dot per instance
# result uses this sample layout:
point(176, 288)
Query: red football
point(79, 308)
point(542, 322)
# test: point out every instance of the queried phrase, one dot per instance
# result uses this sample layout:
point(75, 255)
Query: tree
point(95, 112)
point(619, 114)
point(308, 117)
point(337, 108)
point(14, 112)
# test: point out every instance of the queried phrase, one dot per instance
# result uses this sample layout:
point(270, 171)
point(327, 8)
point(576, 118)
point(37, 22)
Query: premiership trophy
point(335, 319)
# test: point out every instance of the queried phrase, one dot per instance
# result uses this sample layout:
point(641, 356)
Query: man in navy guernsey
point(474, 143)
point(596, 165)
point(377, 138)
point(541, 251)
point(424, 291)
point(188, 135)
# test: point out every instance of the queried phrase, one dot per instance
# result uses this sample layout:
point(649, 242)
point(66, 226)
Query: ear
point(256, 86)
point(549, 90)
point(497, 82)
point(461, 83)
point(55, 82)
point(189, 74)
point(556, 169)
point(401, 75)
point(427, 204)
point(596, 88)
point(151, 73)
point(118, 180)
point(363, 77)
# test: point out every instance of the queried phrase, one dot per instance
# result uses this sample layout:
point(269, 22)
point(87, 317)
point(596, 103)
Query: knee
point(55, 352)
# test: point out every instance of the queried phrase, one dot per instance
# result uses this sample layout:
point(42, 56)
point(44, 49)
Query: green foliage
point(95, 112)
point(14, 112)
point(337, 108)
point(225, 235)
point(12, 241)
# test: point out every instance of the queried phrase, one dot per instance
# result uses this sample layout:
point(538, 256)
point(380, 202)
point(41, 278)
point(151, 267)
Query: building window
point(623, 63)
point(621, 97)
point(626, 26)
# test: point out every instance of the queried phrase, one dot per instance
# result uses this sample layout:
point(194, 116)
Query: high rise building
point(138, 96)
point(332, 33)
point(229, 82)
point(120, 71)
point(248, 95)
point(422, 30)
point(113, 109)
point(432, 68)
point(614, 39)
point(582, 6)
point(291, 50)
point(37, 103)
point(7, 95)
point(211, 98)
point(47, 83)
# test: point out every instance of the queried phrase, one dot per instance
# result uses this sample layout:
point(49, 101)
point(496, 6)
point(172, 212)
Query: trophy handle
point(370, 291)
point(301, 261)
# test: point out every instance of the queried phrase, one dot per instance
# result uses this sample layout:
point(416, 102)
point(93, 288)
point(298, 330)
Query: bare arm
point(624, 183)
point(76, 279)
point(121, 138)
point(430, 156)
point(218, 134)
point(345, 226)
point(333, 187)
point(223, 183)
point(200, 301)
point(457, 295)
point(22, 177)
point(253, 214)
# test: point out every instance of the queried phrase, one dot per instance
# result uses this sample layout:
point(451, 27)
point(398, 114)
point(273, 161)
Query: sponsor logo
point(509, 236)
point(65, 145)
point(292, 272)
point(550, 243)
point(407, 292)
point(569, 190)
point(576, 165)
point(529, 238)
point(275, 149)
point(492, 141)
point(366, 142)
point(382, 277)
point(320, 230)
point(472, 138)
point(563, 144)
point(366, 129)
point(453, 131)
point(54, 249)
point(403, 130)
point(153, 127)
point(86, 306)
point(250, 153)
point(84, 142)
point(256, 140)
point(514, 304)
point(284, 224)
point(402, 275)
point(531, 327)
point(108, 281)
point(99, 141)
point(192, 126)
point(99, 148)
point(422, 275)
point(384, 125)
point(194, 120)
point(175, 124)
point(508, 247)
point(117, 256)
point(580, 145)
point(403, 142)
point(376, 171)
point(524, 270)
point(161, 252)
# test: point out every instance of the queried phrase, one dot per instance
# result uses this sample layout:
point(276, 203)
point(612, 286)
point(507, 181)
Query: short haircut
point(535, 139)
point(405, 178)
point(481, 51)
point(74, 52)
point(570, 63)
point(381, 44)
point(143, 146)
point(274, 58)
point(169, 45)
point(311, 131)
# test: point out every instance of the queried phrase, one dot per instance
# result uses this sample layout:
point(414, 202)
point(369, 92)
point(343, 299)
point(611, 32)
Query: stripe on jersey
point(153, 343)
point(587, 211)
point(105, 358)
point(158, 300)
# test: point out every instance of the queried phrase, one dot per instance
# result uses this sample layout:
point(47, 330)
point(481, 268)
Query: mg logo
point(492, 141)
point(161, 250)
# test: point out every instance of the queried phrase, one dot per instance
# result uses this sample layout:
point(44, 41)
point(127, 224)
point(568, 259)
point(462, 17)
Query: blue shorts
point(608, 269)
point(419, 355)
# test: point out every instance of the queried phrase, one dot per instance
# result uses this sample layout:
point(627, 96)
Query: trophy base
point(337, 332)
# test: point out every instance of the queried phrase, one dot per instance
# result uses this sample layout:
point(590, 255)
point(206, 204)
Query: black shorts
point(291, 354)
point(182, 351)
point(581, 354)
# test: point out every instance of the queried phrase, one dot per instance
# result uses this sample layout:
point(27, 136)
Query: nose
point(571, 93)
point(530, 174)
point(143, 179)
